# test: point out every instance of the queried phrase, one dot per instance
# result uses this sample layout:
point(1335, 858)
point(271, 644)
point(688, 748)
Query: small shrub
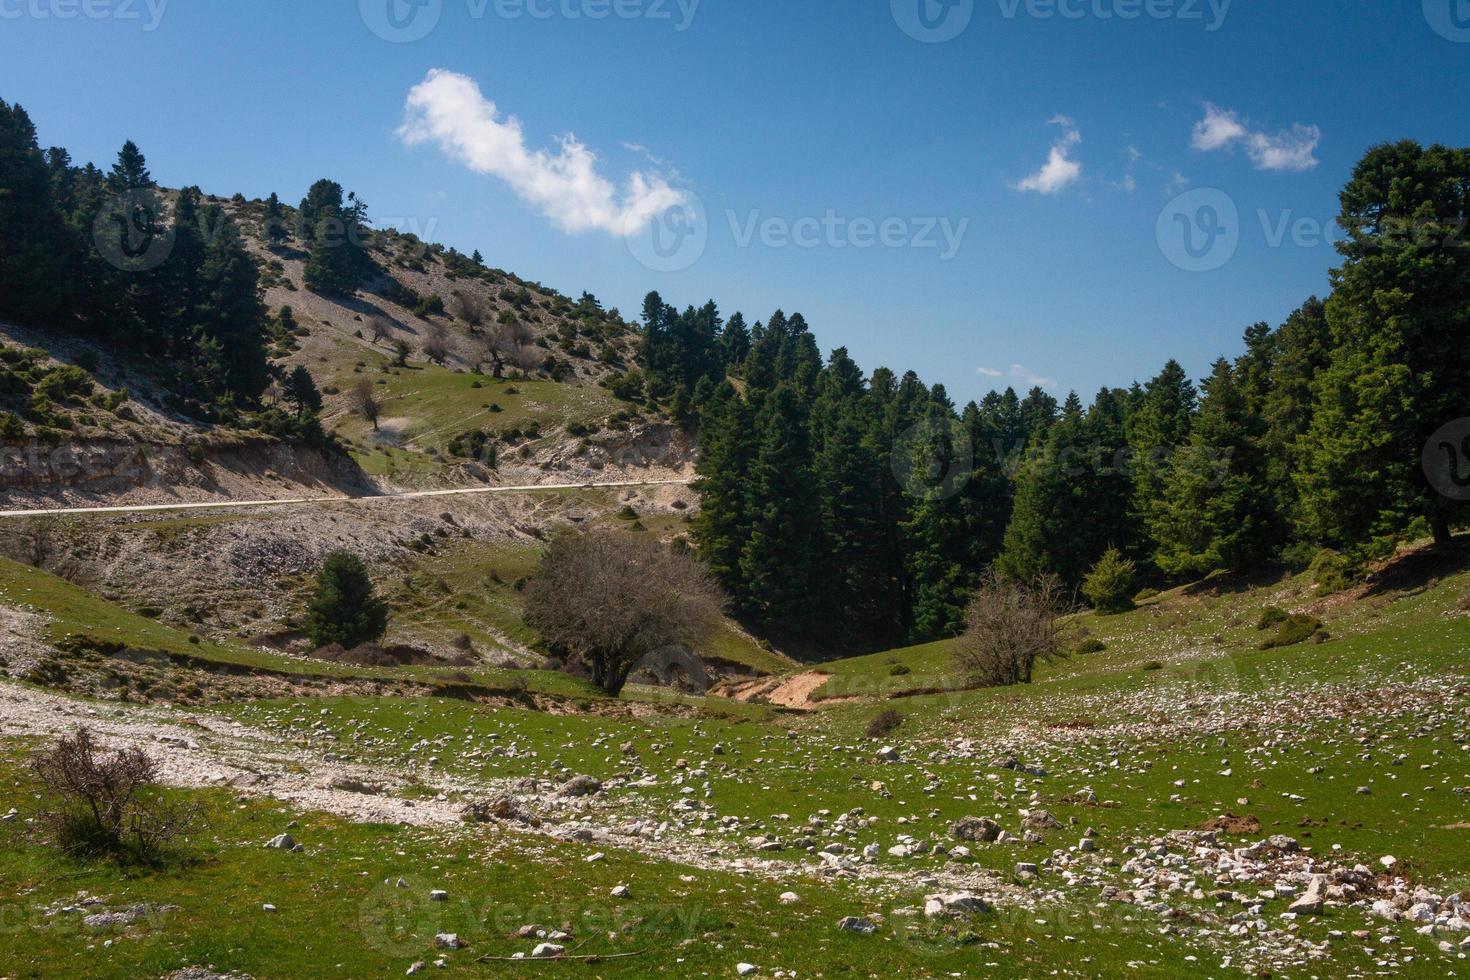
point(886, 723)
point(109, 805)
point(1272, 617)
point(1295, 629)
point(1109, 583)
point(1154, 665)
point(900, 670)
point(11, 427)
point(1145, 595)
point(1333, 572)
point(195, 452)
point(65, 384)
point(1090, 645)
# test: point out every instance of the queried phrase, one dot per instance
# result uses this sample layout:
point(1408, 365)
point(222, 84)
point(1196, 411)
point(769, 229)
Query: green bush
point(1333, 572)
point(1109, 583)
point(1294, 629)
point(1091, 645)
point(65, 384)
point(1272, 617)
point(899, 670)
point(886, 723)
point(1145, 595)
point(11, 427)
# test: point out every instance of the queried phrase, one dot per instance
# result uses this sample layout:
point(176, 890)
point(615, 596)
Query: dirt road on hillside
point(308, 501)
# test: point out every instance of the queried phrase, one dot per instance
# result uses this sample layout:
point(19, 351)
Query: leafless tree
point(109, 804)
point(507, 344)
point(469, 308)
point(614, 597)
point(32, 540)
point(436, 343)
point(1009, 628)
point(365, 402)
point(379, 329)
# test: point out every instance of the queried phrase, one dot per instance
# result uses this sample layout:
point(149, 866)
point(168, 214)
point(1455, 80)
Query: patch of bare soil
point(1231, 824)
point(786, 692)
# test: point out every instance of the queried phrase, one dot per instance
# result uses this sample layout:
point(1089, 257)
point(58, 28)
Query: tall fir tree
point(781, 560)
point(1400, 367)
point(1217, 511)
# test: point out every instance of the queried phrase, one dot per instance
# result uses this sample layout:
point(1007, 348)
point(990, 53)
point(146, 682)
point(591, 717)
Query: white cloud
point(1060, 171)
point(1217, 130)
point(449, 110)
point(1293, 150)
point(1019, 373)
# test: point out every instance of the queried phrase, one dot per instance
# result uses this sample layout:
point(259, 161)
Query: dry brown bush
point(109, 804)
point(1010, 628)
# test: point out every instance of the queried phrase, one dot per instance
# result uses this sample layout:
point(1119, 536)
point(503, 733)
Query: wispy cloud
point(450, 111)
point(1020, 373)
point(1288, 151)
point(1060, 171)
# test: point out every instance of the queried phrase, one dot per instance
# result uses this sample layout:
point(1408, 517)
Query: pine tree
point(301, 391)
point(32, 236)
point(1052, 531)
point(345, 610)
point(726, 451)
point(780, 562)
point(130, 172)
point(1301, 350)
point(1400, 368)
point(1157, 427)
point(1216, 511)
point(236, 317)
point(273, 229)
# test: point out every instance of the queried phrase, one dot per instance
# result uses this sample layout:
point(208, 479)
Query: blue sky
point(1058, 145)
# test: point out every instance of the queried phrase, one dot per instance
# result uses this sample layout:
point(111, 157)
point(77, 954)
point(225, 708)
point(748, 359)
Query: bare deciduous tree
point(507, 343)
point(468, 308)
point(1010, 627)
point(109, 804)
point(365, 402)
point(436, 343)
point(379, 329)
point(614, 597)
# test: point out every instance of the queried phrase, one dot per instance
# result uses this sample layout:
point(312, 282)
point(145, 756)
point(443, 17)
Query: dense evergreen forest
point(851, 507)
